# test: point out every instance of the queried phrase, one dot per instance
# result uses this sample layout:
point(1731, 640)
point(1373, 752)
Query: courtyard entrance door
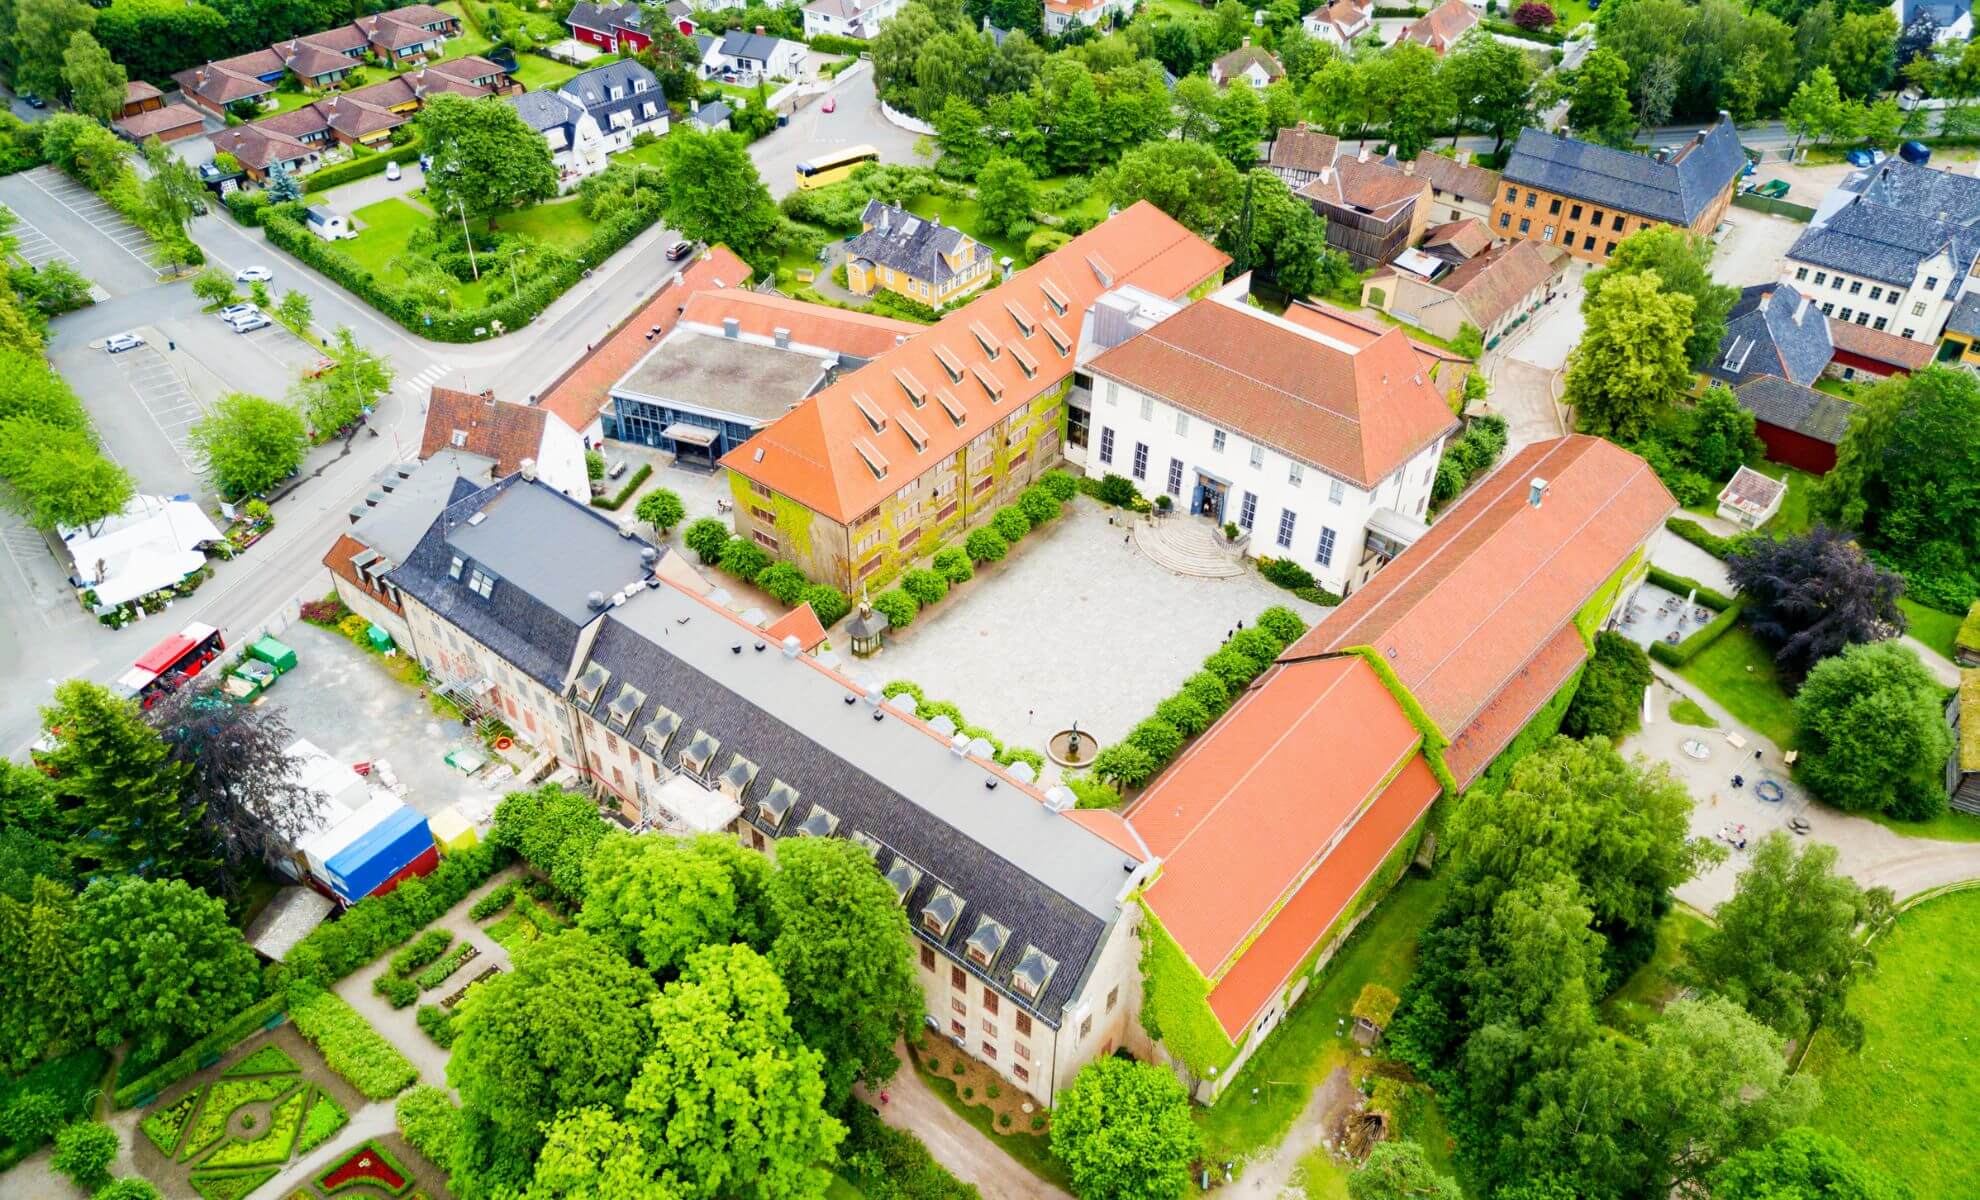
point(1208, 498)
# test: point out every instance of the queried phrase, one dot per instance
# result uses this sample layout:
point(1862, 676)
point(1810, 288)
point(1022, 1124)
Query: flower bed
point(222, 1098)
point(325, 1118)
point(273, 1145)
point(230, 1185)
point(437, 974)
point(268, 1060)
point(165, 1126)
point(367, 1164)
point(456, 998)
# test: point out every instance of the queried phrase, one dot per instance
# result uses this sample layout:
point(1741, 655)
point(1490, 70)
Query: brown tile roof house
point(1441, 27)
point(1467, 238)
point(1373, 207)
point(1342, 20)
point(480, 424)
point(1242, 61)
point(1458, 177)
point(289, 138)
point(167, 124)
point(1484, 290)
point(1300, 153)
point(1354, 411)
point(1445, 368)
point(218, 84)
point(139, 96)
point(1874, 346)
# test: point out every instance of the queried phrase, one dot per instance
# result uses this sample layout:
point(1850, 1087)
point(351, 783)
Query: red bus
point(166, 667)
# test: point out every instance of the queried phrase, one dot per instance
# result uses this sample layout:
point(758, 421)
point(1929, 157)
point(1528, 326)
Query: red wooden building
point(1800, 426)
point(614, 27)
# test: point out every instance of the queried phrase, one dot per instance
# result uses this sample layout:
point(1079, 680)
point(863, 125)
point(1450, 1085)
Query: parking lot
point(35, 246)
point(97, 213)
point(163, 393)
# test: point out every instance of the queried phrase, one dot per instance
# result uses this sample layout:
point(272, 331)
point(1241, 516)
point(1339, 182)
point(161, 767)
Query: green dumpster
point(259, 672)
point(379, 639)
point(274, 653)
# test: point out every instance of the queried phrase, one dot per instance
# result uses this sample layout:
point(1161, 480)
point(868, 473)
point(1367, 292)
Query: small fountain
point(1072, 749)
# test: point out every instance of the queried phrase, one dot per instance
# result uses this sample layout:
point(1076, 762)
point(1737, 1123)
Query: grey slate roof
point(1900, 215)
point(547, 553)
point(1965, 316)
point(593, 89)
point(1678, 191)
point(905, 242)
point(756, 47)
point(604, 18)
point(1775, 401)
point(1043, 877)
point(409, 497)
point(1773, 331)
point(544, 111)
point(711, 114)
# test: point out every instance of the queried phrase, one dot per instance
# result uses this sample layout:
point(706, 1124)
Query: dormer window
point(1033, 973)
point(987, 942)
point(916, 394)
point(875, 461)
point(481, 583)
point(991, 385)
point(1025, 362)
point(777, 804)
point(957, 413)
point(590, 684)
point(903, 877)
point(915, 433)
point(660, 730)
point(867, 842)
point(876, 419)
point(736, 779)
point(454, 568)
point(938, 916)
point(950, 363)
point(1025, 324)
point(624, 707)
point(985, 339)
point(460, 438)
point(1054, 297)
point(700, 752)
point(820, 822)
point(1059, 338)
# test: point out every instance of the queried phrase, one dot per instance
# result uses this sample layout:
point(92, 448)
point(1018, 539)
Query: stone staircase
point(1189, 546)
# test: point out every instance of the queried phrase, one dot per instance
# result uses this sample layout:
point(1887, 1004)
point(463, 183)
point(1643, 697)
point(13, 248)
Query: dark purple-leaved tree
point(1814, 595)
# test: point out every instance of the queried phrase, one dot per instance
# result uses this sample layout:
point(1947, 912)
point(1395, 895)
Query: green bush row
point(376, 924)
point(437, 974)
point(712, 542)
point(832, 43)
point(495, 901)
point(397, 990)
point(1703, 538)
point(285, 228)
point(360, 167)
point(427, 948)
point(202, 1052)
point(348, 1043)
point(624, 494)
point(928, 710)
point(1685, 585)
point(1035, 506)
point(1693, 646)
point(438, 1023)
point(428, 1121)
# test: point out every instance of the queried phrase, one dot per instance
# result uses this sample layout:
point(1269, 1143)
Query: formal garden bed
point(967, 1087)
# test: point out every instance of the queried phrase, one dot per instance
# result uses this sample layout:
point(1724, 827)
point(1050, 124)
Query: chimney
point(1764, 298)
point(1363, 156)
point(959, 745)
point(759, 31)
point(1464, 158)
point(528, 468)
point(731, 327)
point(1800, 309)
point(874, 695)
point(782, 337)
point(1326, 175)
point(1536, 491)
point(1409, 168)
point(791, 643)
point(1247, 39)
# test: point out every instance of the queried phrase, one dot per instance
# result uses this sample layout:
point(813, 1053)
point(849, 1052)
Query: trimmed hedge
point(1684, 585)
point(349, 1044)
point(425, 950)
point(1703, 538)
point(625, 493)
point(832, 43)
point(428, 1121)
point(1693, 646)
point(376, 924)
point(202, 1053)
point(362, 167)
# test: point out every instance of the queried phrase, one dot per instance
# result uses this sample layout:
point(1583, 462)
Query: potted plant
point(1165, 503)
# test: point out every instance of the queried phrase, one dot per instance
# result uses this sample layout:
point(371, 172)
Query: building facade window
point(1106, 445)
point(989, 1002)
point(1217, 441)
point(928, 958)
point(1295, 474)
point(1257, 455)
point(1182, 423)
point(1147, 408)
point(1175, 476)
point(1248, 511)
point(1325, 556)
point(1141, 460)
point(1801, 272)
point(1336, 491)
point(1286, 519)
point(957, 979)
point(1023, 1022)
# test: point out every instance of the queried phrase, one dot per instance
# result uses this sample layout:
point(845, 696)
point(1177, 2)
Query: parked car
point(250, 321)
point(229, 313)
point(392, 171)
point(117, 343)
point(32, 100)
point(1915, 153)
point(1864, 158)
point(255, 274)
point(679, 251)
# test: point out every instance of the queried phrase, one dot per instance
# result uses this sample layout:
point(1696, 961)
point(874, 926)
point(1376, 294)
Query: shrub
point(1208, 689)
point(438, 1024)
point(1124, 763)
point(1286, 573)
point(84, 1152)
point(1010, 523)
point(1703, 538)
point(1012, 755)
point(905, 686)
point(349, 1044)
point(926, 586)
point(397, 989)
point(594, 465)
point(743, 558)
point(885, 1163)
point(360, 167)
point(1043, 242)
point(428, 947)
point(985, 545)
point(706, 538)
point(1184, 713)
point(127, 1189)
point(494, 902)
point(1283, 624)
point(1037, 505)
point(1532, 16)
point(428, 1121)
point(1256, 644)
point(324, 1119)
point(827, 603)
point(167, 1073)
point(1609, 698)
point(30, 1118)
point(1234, 667)
point(1159, 738)
point(626, 489)
point(1117, 490)
point(952, 562)
point(1059, 485)
point(897, 606)
point(784, 582)
point(928, 710)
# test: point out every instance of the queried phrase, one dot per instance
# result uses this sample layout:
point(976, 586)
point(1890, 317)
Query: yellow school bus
point(833, 165)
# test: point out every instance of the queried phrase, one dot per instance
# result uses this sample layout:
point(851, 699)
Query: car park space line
point(38, 185)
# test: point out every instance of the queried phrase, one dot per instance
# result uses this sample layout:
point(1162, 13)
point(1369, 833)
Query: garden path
point(1270, 1174)
point(957, 1144)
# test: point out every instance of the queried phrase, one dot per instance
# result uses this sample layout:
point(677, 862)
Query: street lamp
point(472, 265)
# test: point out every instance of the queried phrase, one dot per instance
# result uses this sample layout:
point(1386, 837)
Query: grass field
point(1929, 625)
point(539, 74)
point(1738, 672)
point(1906, 1101)
point(1688, 712)
point(1949, 826)
point(962, 214)
point(1793, 516)
point(1309, 1043)
point(385, 228)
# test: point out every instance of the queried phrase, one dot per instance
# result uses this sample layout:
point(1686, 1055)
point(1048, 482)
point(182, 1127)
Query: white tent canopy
point(152, 544)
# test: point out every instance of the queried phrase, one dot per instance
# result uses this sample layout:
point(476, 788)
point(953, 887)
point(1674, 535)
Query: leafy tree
point(1680, 260)
point(661, 509)
point(1814, 595)
point(213, 286)
point(843, 952)
point(1125, 763)
point(657, 900)
point(743, 558)
point(117, 778)
point(960, 132)
point(783, 581)
point(159, 961)
point(84, 1152)
point(713, 193)
point(486, 160)
point(58, 478)
point(1802, 1164)
point(565, 1028)
point(1187, 180)
point(1241, 126)
point(295, 309)
point(706, 537)
point(341, 395)
point(1610, 695)
point(1716, 1082)
point(1721, 436)
point(1196, 101)
point(43, 1009)
point(240, 779)
point(131, 1188)
point(1816, 109)
point(248, 444)
point(1123, 1130)
point(1598, 104)
point(730, 1101)
point(590, 1154)
point(897, 606)
point(1871, 732)
point(96, 82)
point(1400, 1170)
point(1491, 83)
point(985, 545)
point(1631, 360)
point(28, 388)
point(1413, 95)
point(173, 191)
point(1786, 945)
point(827, 603)
point(553, 830)
point(925, 586)
point(43, 31)
point(1656, 85)
point(1005, 196)
point(1863, 51)
point(953, 563)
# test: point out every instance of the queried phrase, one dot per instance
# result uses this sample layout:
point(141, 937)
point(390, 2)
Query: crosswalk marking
point(418, 385)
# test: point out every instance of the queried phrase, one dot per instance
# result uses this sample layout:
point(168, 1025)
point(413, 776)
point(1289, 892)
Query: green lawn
point(1929, 625)
point(1836, 387)
point(1688, 712)
point(1949, 826)
point(839, 1189)
point(1906, 1101)
point(539, 74)
point(470, 41)
point(1181, 10)
point(1309, 1043)
point(962, 214)
point(1738, 672)
point(1032, 1150)
point(1644, 994)
point(385, 228)
point(558, 223)
point(287, 101)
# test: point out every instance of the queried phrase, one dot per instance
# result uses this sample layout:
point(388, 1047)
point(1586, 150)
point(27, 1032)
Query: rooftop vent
point(792, 645)
point(782, 337)
point(1536, 491)
point(477, 518)
point(959, 745)
point(874, 695)
point(1057, 799)
point(731, 327)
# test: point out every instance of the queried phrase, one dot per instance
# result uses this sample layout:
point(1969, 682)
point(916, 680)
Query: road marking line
point(29, 176)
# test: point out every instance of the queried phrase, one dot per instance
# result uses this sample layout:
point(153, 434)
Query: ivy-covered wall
point(1603, 602)
point(1545, 724)
point(1175, 1002)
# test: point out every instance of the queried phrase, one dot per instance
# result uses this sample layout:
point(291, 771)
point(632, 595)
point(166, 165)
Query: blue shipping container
point(359, 868)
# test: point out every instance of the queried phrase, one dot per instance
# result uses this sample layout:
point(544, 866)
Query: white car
point(232, 311)
point(251, 321)
point(392, 171)
point(253, 275)
point(120, 342)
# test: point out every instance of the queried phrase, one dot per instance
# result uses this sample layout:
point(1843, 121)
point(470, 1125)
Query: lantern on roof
point(867, 629)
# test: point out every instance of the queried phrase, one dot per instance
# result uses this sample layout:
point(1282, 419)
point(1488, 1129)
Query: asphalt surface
point(143, 400)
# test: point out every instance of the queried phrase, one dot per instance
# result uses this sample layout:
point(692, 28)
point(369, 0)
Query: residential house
point(746, 58)
point(1441, 27)
point(1459, 189)
point(1865, 353)
point(848, 18)
point(1588, 198)
point(408, 35)
point(1340, 23)
point(1800, 426)
point(1061, 15)
point(623, 99)
point(1318, 448)
point(404, 500)
point(934, 435)
point(1951, 20)
point(1773, 330)
point(1374, 208)
point(139, 97)
point(167, 123)
point(681, 15)
point(708, 116)
point(577, 146)
point(295, 141)
point(1299, 154)
point(400, 37)
point(917, 257)
point(1962, 332)
point(1408, 690)
point(506, 436)
point(523, 603)
point(1893, 247)
point(245, 79)
point(1254, 66)
point(1750, 499)
point(1492, 290)
point(614, 27)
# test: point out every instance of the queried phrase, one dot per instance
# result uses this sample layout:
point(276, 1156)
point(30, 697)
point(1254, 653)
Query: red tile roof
point(580, 393)
point(803, 622)
point(495, 429)
point(1368, 186)
point(1474, 748)
point(1442, 26)
point(760, 314)
point(809, 455)
point(154, 121)
point(1357, 410)
point(1492, 284)
point(1861, 340)
point(1256, 804)
point(1304, 149)
point(1469, 606)
point(1358, 330)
